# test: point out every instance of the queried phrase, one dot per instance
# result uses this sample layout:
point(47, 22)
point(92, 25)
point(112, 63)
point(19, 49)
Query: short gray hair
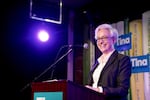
point(113, 31)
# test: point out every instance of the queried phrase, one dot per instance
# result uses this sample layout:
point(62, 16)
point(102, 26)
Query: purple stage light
point(43, 36)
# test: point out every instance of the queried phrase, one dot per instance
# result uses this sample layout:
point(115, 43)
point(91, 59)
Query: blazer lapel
point(110, 60)
point(94, 66)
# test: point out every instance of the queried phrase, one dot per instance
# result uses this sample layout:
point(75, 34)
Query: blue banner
point(124, 42)
point(140, 63)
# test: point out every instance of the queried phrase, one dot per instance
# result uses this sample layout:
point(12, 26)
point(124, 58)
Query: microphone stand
point(47, 69)
point(51, 76)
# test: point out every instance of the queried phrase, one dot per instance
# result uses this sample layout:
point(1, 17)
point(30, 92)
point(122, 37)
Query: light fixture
point(46, 10)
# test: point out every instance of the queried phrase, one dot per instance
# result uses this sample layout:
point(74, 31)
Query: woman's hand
point(92, 88)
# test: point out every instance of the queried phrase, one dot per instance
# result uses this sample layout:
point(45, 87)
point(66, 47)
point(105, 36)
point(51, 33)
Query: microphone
point(50, 67)
point(85, 46)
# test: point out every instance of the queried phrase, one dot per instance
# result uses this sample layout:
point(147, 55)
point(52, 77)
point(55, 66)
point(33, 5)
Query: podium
point(63, 90)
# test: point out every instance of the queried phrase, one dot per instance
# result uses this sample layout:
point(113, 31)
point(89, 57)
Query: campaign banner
point(124, 42)
point(140, 63)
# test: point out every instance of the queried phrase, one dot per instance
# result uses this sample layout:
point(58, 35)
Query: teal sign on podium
point(48, 95)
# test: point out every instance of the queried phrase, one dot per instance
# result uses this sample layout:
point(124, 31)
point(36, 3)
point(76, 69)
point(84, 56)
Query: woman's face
point(105, 42)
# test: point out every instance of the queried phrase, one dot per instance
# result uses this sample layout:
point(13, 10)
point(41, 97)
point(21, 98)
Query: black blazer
point(115, 77)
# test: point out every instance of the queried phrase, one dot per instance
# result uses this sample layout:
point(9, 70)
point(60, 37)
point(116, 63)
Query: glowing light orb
point(43, 36)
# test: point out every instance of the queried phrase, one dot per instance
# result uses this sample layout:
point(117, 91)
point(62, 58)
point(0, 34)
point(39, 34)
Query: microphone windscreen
point(85, 46)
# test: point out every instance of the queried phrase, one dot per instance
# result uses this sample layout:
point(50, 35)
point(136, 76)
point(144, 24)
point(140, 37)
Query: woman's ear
point(114, 40)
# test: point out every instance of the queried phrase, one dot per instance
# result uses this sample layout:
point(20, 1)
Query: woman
point(111, 73)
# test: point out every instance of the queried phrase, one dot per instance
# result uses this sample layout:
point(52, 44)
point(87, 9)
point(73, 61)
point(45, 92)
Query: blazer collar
point(111, 59)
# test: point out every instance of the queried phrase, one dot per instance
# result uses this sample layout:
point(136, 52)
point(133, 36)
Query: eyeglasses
point(103, 38)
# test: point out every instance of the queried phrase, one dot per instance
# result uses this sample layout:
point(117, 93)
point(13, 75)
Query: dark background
point(23, 58)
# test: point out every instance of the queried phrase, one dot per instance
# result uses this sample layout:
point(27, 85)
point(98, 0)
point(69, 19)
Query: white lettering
point(123, 41)
point(139, 63)
point(40, 98)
